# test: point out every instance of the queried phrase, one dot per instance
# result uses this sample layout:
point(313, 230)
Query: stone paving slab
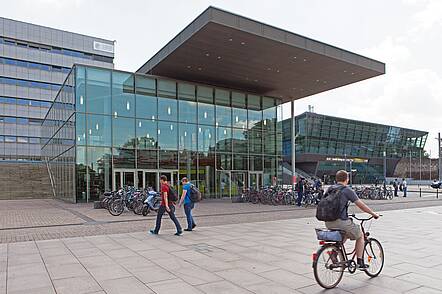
point(260, 257)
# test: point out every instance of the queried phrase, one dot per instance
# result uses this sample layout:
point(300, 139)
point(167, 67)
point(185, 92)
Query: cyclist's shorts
point(352, 230)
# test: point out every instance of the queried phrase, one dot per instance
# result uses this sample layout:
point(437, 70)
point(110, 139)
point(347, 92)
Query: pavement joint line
point(90, 274)
point(76, 213)
point(46, 268)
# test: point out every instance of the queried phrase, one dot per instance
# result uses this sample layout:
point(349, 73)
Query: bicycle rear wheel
point(373, 257)
point(329, 266)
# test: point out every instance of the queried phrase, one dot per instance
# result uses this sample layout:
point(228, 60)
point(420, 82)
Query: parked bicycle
point(126, 198)
point(374, 192)
point(332, 259)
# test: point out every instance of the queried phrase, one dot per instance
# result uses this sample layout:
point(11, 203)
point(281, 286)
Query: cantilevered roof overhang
point(227, 50)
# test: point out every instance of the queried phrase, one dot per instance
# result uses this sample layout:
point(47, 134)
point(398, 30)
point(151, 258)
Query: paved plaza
point(39, 219)
point(259, 257)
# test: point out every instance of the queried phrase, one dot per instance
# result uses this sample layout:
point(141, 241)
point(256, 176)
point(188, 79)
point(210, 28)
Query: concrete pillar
point(293, 143)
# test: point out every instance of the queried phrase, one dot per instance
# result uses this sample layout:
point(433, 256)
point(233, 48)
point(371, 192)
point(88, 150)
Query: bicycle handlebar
point(362, 219)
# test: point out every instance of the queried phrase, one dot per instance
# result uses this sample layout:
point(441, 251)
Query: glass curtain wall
point(130, 129)
point(336, 136)
point(59, 149)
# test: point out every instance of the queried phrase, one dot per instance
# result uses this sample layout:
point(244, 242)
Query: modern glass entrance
point(143, 179)
point(255, 180)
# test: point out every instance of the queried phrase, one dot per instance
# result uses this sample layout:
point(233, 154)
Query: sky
point(404, 34)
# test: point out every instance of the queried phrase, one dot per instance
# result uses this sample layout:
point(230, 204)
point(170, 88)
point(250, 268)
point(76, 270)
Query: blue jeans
point(162, 210)
point(405, 191)
point(299, 200)
point(188, 211)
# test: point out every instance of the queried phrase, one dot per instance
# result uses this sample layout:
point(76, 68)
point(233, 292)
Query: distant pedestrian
point(188, 204)
point(396, 187)
point(404, 187)
point(168, 199)
point(300, 189)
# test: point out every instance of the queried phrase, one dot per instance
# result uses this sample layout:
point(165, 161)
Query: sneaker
point(153, 232)
point(178, 233)
point(193, 226)
point(363, 266)
point(188, 230)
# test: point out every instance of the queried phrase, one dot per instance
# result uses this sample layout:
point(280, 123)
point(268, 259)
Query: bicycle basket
point(328, 235)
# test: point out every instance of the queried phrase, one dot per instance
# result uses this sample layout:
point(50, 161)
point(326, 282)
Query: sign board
point(109, 48)
point(357, 160)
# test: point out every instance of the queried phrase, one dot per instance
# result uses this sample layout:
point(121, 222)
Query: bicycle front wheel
point(373, 257)
point(116, 207)
point(329, 266)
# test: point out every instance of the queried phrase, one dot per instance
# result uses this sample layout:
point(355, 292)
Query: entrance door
point(151, 180)
point(255, 180)
point(224, 184)
point(238, 182)
point(123, 178)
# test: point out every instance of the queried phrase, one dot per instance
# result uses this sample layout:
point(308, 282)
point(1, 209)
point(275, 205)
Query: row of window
point(21, 158)
point(34, 65)
point(54, 49)
point(29, 84)
point(20, 120)
point(19, 139)
point(25, 102)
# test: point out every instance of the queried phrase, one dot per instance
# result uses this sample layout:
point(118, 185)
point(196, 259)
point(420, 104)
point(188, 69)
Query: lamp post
point(385, 165)
point(351, 173)
point(440, 159)
point(420, 165)
point(345, 161)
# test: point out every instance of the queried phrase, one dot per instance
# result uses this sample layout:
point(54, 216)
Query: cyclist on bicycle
point(346, 224)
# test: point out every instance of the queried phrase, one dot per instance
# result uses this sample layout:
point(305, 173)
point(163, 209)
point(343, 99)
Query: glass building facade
point(109, 129)
point(325, 144)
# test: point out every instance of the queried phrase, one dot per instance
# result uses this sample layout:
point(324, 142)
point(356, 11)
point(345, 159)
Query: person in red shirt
point(166, 206)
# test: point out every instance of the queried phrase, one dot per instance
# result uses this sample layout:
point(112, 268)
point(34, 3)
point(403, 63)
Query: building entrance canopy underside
point(228, 50)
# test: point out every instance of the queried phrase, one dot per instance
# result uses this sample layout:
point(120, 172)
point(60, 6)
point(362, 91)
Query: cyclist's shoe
point(363, 267)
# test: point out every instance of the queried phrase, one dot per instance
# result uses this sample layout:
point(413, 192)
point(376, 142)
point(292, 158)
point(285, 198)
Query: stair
point(24, 181)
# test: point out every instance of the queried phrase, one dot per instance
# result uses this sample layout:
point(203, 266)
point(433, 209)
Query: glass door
point(223, 184)
point(151, 180)
point(128, 178)
point(238, 183)
point(123, 178)
point(255, 180)
point(117, 181)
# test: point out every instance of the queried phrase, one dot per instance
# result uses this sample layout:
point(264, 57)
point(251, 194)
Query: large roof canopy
point(227, 50)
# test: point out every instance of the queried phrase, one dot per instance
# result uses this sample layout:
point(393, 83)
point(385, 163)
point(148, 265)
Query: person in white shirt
point(404, 187)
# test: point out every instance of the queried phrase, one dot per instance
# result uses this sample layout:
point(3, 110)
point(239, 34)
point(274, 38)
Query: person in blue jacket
point(188, 204)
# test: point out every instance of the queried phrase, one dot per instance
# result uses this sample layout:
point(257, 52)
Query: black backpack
point(329, 207)
point(172, 196)
point(194, 194)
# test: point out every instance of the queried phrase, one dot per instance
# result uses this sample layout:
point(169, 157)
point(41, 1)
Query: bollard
point(437, 193)
point(420, 192)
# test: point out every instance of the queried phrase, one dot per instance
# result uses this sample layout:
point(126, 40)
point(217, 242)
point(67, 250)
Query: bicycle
point(331, 259)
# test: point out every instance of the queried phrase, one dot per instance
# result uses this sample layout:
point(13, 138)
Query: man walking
point(404, 187)
point(188, 204)
point(167, 205)
point(300, 189)
point(396, 187)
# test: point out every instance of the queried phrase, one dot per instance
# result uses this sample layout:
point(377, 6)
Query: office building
point(34, 62)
